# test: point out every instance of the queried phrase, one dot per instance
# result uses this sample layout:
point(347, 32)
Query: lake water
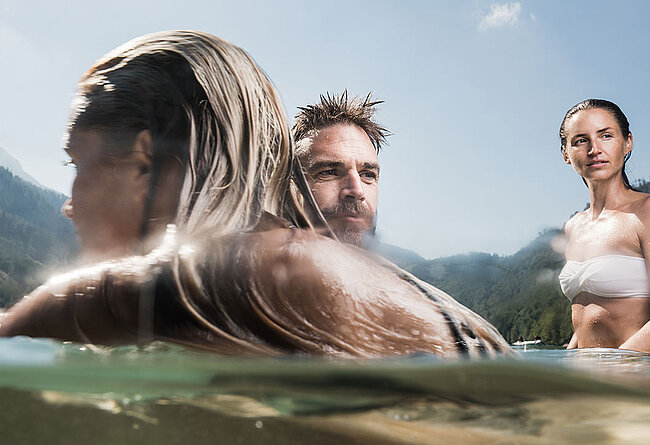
point(64, 393)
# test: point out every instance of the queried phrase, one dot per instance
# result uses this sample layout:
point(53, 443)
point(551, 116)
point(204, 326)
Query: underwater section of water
point(67, 393)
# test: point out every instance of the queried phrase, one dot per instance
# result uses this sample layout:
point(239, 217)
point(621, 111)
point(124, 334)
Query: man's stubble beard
point(357, 236)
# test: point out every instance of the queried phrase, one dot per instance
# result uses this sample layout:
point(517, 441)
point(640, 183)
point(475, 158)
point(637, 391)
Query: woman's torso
point(606, 276)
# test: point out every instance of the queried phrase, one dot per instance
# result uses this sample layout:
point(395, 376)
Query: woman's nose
point(66, 208)
point(594, 148)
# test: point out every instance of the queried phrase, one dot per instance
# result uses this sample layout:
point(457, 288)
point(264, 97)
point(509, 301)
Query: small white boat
point(526, 343)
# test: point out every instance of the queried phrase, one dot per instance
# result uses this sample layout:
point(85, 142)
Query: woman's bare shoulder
point(574, 222)
point(642, 209)
point(305, 254)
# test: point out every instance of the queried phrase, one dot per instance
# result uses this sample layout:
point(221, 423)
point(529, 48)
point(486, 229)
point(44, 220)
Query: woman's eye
point(607, 135)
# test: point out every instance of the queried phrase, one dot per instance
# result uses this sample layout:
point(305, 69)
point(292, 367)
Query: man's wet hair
point(339, 109)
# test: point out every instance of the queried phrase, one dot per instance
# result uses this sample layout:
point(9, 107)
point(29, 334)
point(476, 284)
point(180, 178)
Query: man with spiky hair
point(337, 142)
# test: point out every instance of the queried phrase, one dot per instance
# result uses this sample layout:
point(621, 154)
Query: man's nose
point(66, 209)
point(353, 188)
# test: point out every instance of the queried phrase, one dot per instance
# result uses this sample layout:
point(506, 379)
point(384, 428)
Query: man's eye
point(580, 141)
point(369, 175)
point(326, 173)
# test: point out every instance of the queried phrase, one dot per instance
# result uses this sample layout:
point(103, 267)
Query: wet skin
point(108, 198)
point(273, 291)
point(108, 194)
point(617, 222)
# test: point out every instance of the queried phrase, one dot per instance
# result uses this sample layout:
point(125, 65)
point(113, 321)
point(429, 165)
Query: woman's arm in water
point(81, 306)
point(573, 343)
point(641, 340)
point(283, 291)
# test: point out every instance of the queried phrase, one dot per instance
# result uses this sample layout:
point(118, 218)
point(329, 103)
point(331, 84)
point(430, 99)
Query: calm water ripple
point(162, 393)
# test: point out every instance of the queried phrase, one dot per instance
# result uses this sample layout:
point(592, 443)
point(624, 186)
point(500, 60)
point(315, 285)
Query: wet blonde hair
point(207, 104)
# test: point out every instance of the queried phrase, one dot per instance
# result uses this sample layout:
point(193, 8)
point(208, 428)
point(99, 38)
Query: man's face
point(343, 174)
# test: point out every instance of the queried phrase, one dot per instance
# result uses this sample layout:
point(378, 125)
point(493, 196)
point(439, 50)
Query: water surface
point(64, 393)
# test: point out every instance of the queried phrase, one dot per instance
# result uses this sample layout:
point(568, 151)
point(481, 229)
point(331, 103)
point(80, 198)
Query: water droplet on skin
point(259, 424)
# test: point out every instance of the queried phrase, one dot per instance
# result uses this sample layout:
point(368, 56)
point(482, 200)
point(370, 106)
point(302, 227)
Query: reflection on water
point(64, 393)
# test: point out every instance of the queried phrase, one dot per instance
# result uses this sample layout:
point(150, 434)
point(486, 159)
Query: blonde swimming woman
point(199, 228)
point(606, 273)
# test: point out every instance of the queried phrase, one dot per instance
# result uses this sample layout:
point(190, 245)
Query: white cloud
point(501, 14)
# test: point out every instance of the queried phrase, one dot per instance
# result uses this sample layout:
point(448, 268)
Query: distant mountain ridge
point(34, 236)
point(520, 293)
point(398, 255)
point(13, 165)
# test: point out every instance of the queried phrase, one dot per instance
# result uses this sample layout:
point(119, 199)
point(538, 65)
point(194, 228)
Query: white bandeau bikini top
point(613, 276)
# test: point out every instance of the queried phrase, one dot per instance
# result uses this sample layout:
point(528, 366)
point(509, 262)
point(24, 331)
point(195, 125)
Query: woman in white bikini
point(606, 274)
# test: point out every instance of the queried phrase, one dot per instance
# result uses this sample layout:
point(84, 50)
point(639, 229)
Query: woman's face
point(595, 145)
point(108, 195)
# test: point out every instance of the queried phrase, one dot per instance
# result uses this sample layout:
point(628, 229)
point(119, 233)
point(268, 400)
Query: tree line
point(519, 294)
point(35, 238)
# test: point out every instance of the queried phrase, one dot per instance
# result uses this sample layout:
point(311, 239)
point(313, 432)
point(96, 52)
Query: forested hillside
point(520, 294)
point(643, 186)
point(35, 238)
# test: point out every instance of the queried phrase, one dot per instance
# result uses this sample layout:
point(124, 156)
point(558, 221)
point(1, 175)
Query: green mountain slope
point(520, 294)
point(35, 238)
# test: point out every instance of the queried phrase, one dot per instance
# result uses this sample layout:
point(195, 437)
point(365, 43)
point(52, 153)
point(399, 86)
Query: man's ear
point(566, 158)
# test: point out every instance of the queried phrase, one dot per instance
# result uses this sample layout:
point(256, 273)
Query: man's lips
point(597, 163)
point(352, 216)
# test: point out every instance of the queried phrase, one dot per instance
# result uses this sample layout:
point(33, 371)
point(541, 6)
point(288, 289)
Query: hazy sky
point(474, 90)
